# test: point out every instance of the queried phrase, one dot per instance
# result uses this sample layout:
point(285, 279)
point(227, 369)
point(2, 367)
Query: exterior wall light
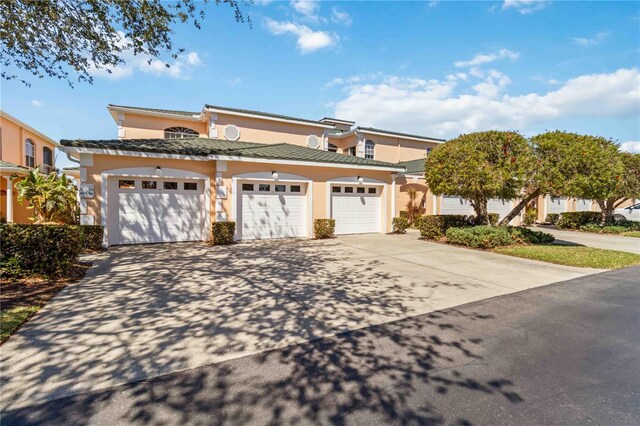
point(360, 179)
point(274, 175)
point(159, 171)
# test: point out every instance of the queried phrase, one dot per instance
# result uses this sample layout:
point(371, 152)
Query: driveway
point(589, 239)
point(144, 311)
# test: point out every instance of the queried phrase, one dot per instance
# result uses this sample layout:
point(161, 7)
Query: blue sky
point(434, 68)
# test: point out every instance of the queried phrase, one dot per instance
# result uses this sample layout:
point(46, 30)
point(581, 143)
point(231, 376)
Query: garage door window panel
point(149, 184)
point(264, 187)
point(295, 188)
point(280, 188)
point(247, 187)
point(373, 190)
point(126, 184)
point(190, 186)
point(348, 190)
point(360, 190)
point(172, 186)
point(336, 189)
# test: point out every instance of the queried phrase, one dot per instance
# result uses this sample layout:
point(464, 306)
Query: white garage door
point(452, 204)
point(272, 210)
point(502, 207)
point(583, 205)
point(557, 205)
point(356, 209)
point(151, 210)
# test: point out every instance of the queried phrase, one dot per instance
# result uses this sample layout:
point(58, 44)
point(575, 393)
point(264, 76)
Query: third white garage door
point(272, 210)
point(356, 208)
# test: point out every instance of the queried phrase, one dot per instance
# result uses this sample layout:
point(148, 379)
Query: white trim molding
point(167, 173)
point(268, 176)
point(267, 117)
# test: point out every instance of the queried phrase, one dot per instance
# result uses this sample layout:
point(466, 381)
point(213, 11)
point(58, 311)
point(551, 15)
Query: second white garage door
point(272, 210)
point(356, 209)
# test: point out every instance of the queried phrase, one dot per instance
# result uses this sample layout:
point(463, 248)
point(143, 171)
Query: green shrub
point(418, 221)
point(530, 217)
point(629, 224)
point(222, 233)
point(486, 237)
point(552, 218)
point(520, 235)
point(483, 236)
point(574, 220)
point(46, 250)
point(400, 225)
point(434, 227)
point(92, 237)
point(324, 228)
point(610, 229)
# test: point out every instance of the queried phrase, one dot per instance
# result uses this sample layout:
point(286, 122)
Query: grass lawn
point(585, 257)
point(635, 234)
point(20, 299)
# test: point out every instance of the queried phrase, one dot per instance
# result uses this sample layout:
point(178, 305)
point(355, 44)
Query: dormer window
point(369, 148)
point(351, 151)
point(29, 153)
point(331, 147)
point(180, 132)
point(47, 160)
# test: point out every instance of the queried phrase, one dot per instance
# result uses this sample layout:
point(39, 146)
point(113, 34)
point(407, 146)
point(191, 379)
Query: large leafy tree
point(619, 188)
point(480, 166)
point(53, 198)
point(574, 165)
point(56, 37)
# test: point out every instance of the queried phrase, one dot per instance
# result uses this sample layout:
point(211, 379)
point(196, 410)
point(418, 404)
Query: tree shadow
point(146, 311)
point(383, 374)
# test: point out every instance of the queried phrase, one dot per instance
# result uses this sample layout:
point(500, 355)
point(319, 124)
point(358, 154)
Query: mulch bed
point(36, 291)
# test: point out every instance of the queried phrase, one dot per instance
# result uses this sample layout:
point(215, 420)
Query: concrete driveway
point(589, 239)
point(144, 311)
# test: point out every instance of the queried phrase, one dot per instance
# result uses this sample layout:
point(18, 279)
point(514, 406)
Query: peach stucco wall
point(138, 126)
point(268, 131)
point(21, 214)
point(403, 184)
point(12, 143)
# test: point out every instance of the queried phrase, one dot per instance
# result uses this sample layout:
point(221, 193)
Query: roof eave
point(114, 109)
point(26, 126)
point(266, 117)
point(396, 135)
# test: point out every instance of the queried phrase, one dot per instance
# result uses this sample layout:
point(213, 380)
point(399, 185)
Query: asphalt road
point(567, 353)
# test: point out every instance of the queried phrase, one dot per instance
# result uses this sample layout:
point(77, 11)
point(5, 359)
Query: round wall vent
point(231, 132)
point(313, 141)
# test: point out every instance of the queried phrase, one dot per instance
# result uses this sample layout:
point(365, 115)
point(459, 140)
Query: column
point(9, 199)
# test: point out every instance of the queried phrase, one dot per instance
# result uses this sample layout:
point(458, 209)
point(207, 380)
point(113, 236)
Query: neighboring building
point(22, 148)
point(171, 173)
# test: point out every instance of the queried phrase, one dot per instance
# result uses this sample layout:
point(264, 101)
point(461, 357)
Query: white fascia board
point(197, 118)
point(266, 117)
point(342, 135)
point(231, 158)
point(16, 170)
point(29, 128)
point(395, 135)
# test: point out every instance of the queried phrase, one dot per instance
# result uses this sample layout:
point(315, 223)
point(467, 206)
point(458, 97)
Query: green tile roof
point(164, 111)
point(11, 165)
point(266, 114)
point(413, 166)
point(207, 146)
point(373, 129)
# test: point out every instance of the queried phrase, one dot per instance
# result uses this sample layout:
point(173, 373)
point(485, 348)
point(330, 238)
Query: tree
point(573, 165)
point(413, 206)
point(480, 166)
point(53, 198)
point(620, 188)
point(53, 37)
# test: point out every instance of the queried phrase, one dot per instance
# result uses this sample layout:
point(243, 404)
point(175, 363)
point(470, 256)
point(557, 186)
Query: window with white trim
point(29, 153)
point(47, 160)
point(180, 132)
point(369, 149)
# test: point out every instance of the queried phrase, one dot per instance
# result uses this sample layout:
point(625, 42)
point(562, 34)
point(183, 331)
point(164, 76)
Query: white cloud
point(597, 39)
point(480, 59)
point(442, 108)
point(630, 146)
point(308, 40)
point(433, 3)
point(525, 6)
point(339, 17)
point(178, 68)
point(232, 82)
point(307, 8)
point(37, 103)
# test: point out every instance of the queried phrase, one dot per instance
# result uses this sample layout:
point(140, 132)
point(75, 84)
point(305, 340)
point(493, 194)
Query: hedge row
point(575, 220)
point(434, 227)
point(46, 250)
point(400, 225)
point(486, 237)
